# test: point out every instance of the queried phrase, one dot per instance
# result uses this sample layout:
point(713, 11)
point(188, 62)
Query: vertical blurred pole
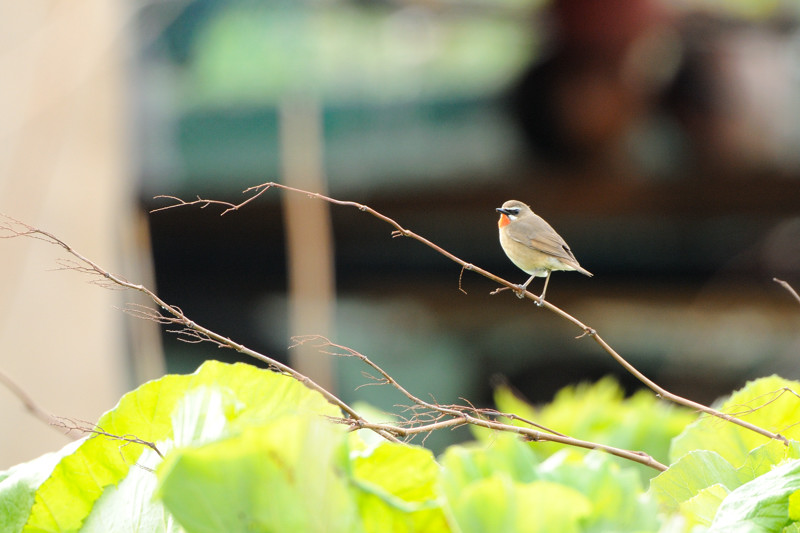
point(308, 235)
point(63, 167)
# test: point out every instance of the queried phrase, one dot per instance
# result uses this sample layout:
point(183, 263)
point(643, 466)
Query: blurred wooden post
point(64, 168)
point(309, 236)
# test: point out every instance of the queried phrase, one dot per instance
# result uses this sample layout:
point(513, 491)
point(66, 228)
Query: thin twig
point(94, 430)
point(788, 288)
point(30, 405)
point(467, 414)
point(459, 415)
point(171, 314)
point(419, 423)
point(400, 231)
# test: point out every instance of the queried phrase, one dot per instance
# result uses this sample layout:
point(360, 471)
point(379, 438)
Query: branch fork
point(425, 416)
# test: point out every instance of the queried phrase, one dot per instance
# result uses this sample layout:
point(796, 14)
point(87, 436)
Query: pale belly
point(530, 260)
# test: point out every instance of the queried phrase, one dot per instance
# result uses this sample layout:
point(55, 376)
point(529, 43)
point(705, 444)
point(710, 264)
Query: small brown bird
point(533, 245)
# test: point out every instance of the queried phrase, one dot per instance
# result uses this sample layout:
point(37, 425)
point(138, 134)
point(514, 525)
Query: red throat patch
point(504, 221)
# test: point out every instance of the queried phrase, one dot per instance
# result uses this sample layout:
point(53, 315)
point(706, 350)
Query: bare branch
point(169, 314)
point(203, 203)
point(30, 405)
point(459, 414)
point(400, 231)
point(255, 192)
point(788, 287)
point(424, 416)
point(461, 275)
point(94, 430)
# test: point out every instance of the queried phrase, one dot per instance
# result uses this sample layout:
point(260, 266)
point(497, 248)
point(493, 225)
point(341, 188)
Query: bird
point(533, 245)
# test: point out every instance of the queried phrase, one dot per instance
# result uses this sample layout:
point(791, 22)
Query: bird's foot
point(519, 290)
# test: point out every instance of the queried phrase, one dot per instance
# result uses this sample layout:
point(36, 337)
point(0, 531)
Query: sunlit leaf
point(280, 476)
point(396, 489)
point(762, 504)
point(772, 403)
point(225, 398)
point(18, 486)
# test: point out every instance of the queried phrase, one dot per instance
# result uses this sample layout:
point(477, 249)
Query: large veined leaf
point(762, 505)
point(163, 411)
point(200, 415)
point(396, 488)
point(763, 459)
point(66, 498)
point(717, 459)
point(284, 475)
point(701, 508)
point(692, 473)
point(771, 403)
point(695, 485)
point(698, 483)
point(18, 486)
point(297, 473)
point(128, 507)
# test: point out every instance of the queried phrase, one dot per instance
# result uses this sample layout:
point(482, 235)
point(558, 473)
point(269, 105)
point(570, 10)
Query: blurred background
point(660, 138)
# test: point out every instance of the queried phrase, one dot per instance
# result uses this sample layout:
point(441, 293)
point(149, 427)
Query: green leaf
point(500, 487)
point(766, 402)
point(545, 506)
point(763, 459)
point(762, 504)
point(201, 415)
point(616, 493)
point(701, 508)
point(485, 505)
point(692, 473)
point(498, 504)
point(695, 485)
point(715, 457)
point(794, 506)
point(226, 398)
point(479, 484)
point(281, 476)
point(699, 481)
point(129, 506)
point(396, 489)
point(474, 461)
point(65, 499)
point(18, 486)
point(600, 412)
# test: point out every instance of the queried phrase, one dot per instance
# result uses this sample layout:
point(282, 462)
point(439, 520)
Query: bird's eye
point(513, 211)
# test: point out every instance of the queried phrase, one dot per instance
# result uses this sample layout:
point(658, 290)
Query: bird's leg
point(524, 287)
point(546, 281)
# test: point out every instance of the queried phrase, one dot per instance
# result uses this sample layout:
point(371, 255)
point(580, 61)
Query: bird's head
point(511, 211)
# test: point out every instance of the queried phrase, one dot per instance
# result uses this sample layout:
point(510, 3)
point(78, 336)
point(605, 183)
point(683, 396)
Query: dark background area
point(662, 145)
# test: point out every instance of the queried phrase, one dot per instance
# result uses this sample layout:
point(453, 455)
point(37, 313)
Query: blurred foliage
point(503, 487)
point(247, 450)
point(599, 412)
point(256, 54)
point(744, 9)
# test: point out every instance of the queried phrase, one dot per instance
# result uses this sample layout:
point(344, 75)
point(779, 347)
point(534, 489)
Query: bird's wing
point(546, 240)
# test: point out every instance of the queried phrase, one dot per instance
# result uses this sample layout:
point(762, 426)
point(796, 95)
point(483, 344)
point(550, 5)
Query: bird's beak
point(501, 210)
